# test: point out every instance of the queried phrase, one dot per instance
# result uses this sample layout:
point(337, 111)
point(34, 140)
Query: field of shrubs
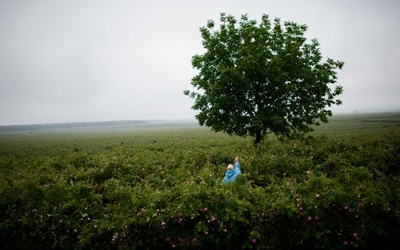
point(160, 188)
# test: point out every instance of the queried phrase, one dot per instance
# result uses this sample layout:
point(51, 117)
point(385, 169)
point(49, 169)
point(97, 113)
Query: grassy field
point(180, 134)
point(370, 123)
point(159, 186)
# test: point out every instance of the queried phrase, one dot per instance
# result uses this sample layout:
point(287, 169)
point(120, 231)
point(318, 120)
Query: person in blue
point(232, 171)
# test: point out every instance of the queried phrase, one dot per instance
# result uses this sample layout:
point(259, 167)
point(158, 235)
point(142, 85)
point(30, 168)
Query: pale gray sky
point(98, 60)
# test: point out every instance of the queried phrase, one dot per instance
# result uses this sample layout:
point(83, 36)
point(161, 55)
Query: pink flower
point(163, 223)
point(317, 196)
point(254, 240)
point(205, 209)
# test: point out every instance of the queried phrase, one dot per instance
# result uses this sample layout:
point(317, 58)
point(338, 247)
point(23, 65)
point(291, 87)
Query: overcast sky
point(81, 60)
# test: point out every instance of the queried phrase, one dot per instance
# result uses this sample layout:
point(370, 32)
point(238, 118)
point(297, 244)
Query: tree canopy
point(258, 78)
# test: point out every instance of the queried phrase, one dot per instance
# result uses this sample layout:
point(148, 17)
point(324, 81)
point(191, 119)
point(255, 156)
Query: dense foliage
point(259, 78)
point(162, 189)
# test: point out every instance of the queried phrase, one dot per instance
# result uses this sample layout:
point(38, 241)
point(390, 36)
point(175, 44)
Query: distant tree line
point(33, 127)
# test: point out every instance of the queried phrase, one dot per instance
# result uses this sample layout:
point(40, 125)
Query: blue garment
point(230, 176)
point(236, 166)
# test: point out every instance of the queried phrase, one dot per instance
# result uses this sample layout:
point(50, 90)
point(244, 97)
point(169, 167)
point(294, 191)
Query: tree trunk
point(258, 138)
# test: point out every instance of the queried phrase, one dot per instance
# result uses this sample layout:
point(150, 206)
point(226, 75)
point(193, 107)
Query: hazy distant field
point(338, 124)
point(361, 123)
point(179, 133)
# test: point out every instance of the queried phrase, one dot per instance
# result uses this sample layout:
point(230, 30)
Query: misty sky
point(98, 60)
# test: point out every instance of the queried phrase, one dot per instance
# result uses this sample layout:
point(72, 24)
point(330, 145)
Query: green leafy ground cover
point(160, 187)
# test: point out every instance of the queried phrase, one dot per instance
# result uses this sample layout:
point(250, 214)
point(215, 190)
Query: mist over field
point(343, 123)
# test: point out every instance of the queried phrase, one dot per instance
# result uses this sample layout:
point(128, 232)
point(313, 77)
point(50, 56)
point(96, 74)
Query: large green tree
point(257, 78)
